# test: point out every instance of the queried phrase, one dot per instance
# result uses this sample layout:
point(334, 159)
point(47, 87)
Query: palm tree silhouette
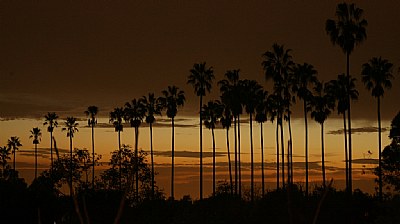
point(212, 113)
point(173, 98)
point(338, 89)
point(226, 121)
point(305, 75)
point(152, 106)
point(230, 96)
point(278, 65)
point(347, 31)
point(91, 112)
point(275, 109)
point(5, 152)
point(251, 90)
point(377, 76)
point(201, 79)
point(116, 117)
point(321, 105)
point(71, 127)
point(261, 117)
point(36, 134)
point(134, 114)
point(13, 144)
point(50, 119)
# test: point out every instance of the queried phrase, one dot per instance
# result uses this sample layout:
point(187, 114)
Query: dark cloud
point(358, 130)
point(188, 154)
point(366, 161)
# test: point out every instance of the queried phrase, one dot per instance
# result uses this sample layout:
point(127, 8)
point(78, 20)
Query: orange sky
point(187, 169)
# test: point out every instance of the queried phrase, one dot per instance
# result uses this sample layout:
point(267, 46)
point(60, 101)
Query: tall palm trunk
point(350, 188)
point(306, 142)
point(251, 159)
point(201, 150)
point(323, 155)
point(346, 158)
point(290, 150)
point(277, 155)
point(152, 160)
point(51, 150)
point(262, 160)
point(239, 167)
point(35, 161)
point(93, 155)
point(137, 163)
point(120, 160)
point(172, 159)
point(213, 143)
point(236, 157)
point(14, 162)
point(70, 164)
point(282, 154)
point(380, 148)
point(229, 160)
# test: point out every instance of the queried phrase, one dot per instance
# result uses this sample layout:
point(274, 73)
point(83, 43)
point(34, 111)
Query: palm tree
point(305, 75)
point(173, 98)
point(251, 89)
point(377, 76)
point(338, 89)
point(36, 134)
point(230, 96)
point(278, 65)
point(261, 117)
point(275, 109)
point(201, 78)
point(116, 117)
point(347, 31)
point(13, 144)
point(212, 113)
point(71, 127)
point(91, 112)
point(134, 114)
point(152, 106)
point(50, 119)
point(226, 121)
point(321, 105)
point(4, 156)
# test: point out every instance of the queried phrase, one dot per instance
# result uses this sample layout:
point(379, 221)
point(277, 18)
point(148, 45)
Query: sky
point(66, 55)
point(63, 56)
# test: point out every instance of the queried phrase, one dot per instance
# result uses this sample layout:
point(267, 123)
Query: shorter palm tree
point(226, 121)
point(173, 98)
point(322, 103)
point(4, 156)
point(377, 76)
point(36, 134)
point(211, 114)
point(13, 144)
point(71, 127)
point(50, 119)
point(134, 114)
point(91, 112)
point(116, 117)
point(152, 106)
point(261, 117)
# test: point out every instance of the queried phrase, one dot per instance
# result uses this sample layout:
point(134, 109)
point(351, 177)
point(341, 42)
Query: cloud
point(188, 154)
point(365, 161)
point(358, 130)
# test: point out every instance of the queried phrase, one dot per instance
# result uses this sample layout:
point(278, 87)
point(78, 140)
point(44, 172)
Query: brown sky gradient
point(66, 55)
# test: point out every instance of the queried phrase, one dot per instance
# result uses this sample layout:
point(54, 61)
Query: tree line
point(291, 81)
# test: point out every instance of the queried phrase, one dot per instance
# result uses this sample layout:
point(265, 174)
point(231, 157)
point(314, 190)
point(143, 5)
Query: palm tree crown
point(91, 112)
point(116, 117)
point(377, 75)
point(349, 29)
point(13, 144)
point(173, 98)
point(36, 134)
point(71, 126)
point(201, 78)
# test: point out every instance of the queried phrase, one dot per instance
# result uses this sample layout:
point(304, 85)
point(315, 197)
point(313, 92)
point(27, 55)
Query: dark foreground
point(20, 204)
